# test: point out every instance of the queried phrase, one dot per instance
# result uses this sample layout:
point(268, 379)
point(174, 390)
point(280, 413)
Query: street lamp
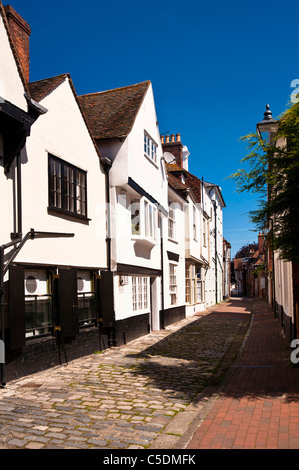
point(267, 126)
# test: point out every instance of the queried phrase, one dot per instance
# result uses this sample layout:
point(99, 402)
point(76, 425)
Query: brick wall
point(174, 146)
point(132, 328)
point(20, 32)
point(174, 314)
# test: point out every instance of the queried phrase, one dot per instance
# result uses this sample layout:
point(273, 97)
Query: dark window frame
point(67, 197)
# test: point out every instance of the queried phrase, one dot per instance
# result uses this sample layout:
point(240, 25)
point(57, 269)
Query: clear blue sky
point(214, 66)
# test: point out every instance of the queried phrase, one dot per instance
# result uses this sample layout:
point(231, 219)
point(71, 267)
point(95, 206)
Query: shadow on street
point(184, 362)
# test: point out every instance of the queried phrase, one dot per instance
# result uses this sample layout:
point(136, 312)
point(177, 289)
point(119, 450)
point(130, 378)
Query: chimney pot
point(167, 138)
point(172, 138)
point(178, 137)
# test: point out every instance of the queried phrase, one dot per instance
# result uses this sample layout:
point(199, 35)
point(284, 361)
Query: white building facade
point(53, 229)
point(146, 263)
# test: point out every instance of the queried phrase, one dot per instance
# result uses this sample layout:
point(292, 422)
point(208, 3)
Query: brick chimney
point(20, 33)
point(174, 146)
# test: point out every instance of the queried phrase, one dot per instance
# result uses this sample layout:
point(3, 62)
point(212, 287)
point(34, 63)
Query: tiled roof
point(238, 263)
point(112, 113)
point(175, 172)
point(42, 88)
point(13, 47)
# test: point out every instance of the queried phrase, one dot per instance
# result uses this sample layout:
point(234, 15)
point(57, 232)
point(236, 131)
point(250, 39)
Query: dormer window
point(150, 148)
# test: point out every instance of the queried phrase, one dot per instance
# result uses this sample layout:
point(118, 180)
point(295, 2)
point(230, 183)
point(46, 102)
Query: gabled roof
point(112, 113)
point(175, 173)
point(42, 88)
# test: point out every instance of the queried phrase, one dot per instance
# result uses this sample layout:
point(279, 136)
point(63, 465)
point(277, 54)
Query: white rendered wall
point(62, 132)
point(175, 245)
point(11, 86)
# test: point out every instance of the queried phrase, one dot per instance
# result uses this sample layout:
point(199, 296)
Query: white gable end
point(147, 171)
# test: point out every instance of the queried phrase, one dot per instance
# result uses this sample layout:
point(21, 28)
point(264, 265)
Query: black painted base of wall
point(131, 328)
point(172, 315)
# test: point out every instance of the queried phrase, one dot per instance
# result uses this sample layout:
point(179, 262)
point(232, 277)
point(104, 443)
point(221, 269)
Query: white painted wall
point(175, 245)
point(150, 176)
point(284, 284)
point(12, 90)
point(11, 86)
point(62, 132)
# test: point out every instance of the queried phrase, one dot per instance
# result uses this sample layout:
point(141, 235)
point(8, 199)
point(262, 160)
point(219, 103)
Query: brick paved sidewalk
point(258, 407)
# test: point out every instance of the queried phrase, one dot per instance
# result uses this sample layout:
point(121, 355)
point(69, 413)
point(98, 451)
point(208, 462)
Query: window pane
point(38, 305)
point(145, 293)
point(151, 221)
point(80, 193)
point(134, 293)
point(139, 293)
point(135, 217)
point(146, 225)
point(55, 184)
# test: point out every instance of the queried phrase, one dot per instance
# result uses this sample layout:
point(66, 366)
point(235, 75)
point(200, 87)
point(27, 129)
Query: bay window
point(144, 218)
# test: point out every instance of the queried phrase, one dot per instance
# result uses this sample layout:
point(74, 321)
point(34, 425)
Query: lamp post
point(267, 126)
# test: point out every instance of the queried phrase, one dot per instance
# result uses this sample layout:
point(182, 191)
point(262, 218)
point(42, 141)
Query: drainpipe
point(19, 188)
point(107, 164)
point(162, 277)
point(216, 273)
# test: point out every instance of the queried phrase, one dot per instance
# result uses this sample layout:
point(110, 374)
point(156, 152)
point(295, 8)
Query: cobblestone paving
point(122, 398)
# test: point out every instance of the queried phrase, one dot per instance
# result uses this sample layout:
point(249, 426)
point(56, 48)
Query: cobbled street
point(145, 394)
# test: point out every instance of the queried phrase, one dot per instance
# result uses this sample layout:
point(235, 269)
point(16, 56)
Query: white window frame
point(194, 223)
point(204, 232)
point(171, 222)
point(150, 148)
point(173, 283)
point(145, 223)
point(140, 293)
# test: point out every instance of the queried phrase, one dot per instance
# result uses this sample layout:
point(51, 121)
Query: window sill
point(66, 214)
point(151, 161)
point(143, 240)
point(173, 240)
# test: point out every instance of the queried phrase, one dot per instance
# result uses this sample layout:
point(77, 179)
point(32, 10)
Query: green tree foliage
point(245, 250)
point(273, 173)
